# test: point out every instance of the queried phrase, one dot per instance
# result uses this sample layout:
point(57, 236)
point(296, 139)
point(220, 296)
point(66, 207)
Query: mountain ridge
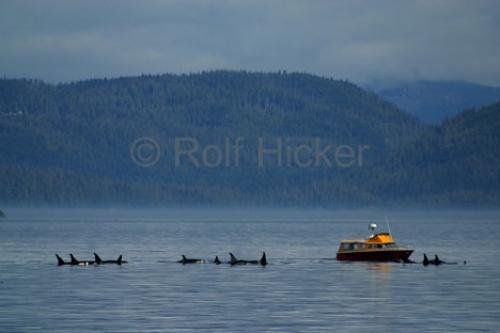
point(70, 143)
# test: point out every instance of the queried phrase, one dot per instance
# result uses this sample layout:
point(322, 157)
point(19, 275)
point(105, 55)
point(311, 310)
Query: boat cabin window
point(381, 246)
point(352, 246)
point(347, 246)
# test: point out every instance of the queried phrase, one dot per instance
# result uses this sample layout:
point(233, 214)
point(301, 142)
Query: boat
point(377, 247)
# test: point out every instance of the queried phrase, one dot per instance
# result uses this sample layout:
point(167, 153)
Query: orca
point(263, 259)
point(217, 261)
point(234, 261)
point(185, 260)
point(118, 261)
point(60, 261)
point(75, 262)
point(426, 260)
point(436, 261)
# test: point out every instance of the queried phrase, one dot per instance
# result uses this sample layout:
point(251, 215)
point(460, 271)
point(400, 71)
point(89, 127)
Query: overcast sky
point(356, 40)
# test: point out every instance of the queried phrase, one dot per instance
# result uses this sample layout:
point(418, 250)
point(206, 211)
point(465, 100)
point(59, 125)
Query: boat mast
point(388, 227)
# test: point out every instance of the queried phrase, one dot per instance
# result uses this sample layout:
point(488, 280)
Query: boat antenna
point(388, 227)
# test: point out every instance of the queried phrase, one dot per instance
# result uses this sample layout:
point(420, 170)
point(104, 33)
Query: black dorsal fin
point(60, 261)
point(233, 258)
point(98, 259)
point(426, 260)
point(263, 260)
point(119, 260)
point(73, 259)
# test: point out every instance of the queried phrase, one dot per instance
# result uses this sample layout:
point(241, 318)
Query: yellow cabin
point(381, 238)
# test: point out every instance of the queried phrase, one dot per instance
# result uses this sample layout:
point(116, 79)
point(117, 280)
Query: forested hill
point(338, 144)
point(465, 157)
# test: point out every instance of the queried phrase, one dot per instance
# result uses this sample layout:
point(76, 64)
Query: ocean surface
point(303, 289)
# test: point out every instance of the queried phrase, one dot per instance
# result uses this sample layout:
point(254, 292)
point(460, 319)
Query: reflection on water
point(383, 269)
point(302, 289)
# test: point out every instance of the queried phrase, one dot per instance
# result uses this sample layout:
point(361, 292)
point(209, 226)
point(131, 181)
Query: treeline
point(71, 143)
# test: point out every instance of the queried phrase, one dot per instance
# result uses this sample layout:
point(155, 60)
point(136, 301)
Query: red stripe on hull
point(396, 255)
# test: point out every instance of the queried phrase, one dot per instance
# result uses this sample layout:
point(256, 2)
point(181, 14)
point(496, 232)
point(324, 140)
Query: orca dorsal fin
point(98, 259)
point(60, 261)
point(263, 260)
point(217, 261)
point(184, 258)
point(233, 258)
point(426, 260)
point(73, 259)
point(119, 260)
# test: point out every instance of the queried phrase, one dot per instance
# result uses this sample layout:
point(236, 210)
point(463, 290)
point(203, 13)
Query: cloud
point(358, 40)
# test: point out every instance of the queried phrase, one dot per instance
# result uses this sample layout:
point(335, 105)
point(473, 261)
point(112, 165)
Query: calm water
point(302, 289)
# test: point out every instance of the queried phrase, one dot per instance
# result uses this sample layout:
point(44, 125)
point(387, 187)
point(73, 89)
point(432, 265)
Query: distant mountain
point(433, 101)
point(457, 162)
point(74, 144)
